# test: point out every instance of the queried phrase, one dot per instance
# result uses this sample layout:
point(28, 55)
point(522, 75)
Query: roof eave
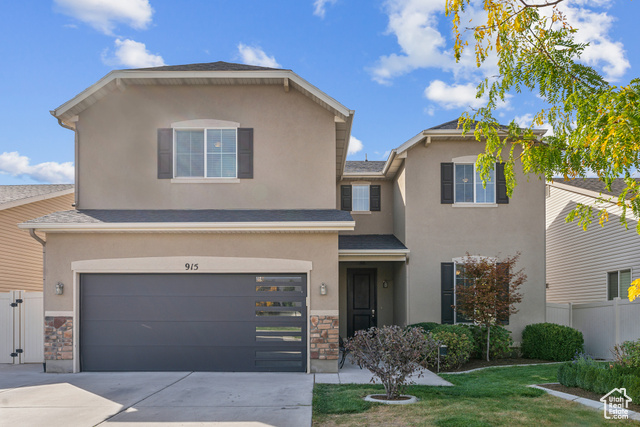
point(62, 110)
point(33, 199)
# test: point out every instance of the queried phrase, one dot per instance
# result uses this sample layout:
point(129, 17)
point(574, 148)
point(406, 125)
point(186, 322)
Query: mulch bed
point(583, 393)
point(478, 363)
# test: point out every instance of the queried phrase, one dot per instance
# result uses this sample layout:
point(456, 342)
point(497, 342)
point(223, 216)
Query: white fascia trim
point(123, 74)
point(361, 175)
point(197, 226)
point(33, 199)
point(411, 142)
point(373, 251)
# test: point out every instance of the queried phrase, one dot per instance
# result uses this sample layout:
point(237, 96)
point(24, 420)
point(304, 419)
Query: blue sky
point(390, 61)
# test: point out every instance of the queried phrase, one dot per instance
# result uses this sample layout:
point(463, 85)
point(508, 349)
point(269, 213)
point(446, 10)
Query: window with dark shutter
point(374, 198)
point(446, 183)
point(447, 290)
point(345, 197)
point(501, 185)
point(165, 153)
point(245, 153)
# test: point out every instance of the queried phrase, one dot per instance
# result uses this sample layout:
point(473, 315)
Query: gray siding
point(578, 260)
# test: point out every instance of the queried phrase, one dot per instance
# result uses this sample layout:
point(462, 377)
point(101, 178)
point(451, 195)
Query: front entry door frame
point(370, 306)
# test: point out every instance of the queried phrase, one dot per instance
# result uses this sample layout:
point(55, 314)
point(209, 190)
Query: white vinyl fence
point(603, 324)
point(21, 327)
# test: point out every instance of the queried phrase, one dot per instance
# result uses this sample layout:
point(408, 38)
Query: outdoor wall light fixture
point(385, 284)
point(323, 289)
point(59, 288)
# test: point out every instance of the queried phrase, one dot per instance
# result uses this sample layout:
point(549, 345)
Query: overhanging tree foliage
point(596, 124)
point(490, 292)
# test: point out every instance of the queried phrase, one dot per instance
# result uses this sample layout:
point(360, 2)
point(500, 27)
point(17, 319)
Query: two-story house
point(218, 226)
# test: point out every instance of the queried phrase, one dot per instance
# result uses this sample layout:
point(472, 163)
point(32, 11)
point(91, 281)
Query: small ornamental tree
point(391, 353)
point(490, 291)
point(634, 290)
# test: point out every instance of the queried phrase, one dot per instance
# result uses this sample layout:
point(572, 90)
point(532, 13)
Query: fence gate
point(21, 327)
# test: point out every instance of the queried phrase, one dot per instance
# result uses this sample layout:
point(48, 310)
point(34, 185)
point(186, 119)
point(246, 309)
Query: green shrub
point(628, 354)
point(459, 348)
point(456, 329)
point(600, 378)
point(426, 326)
point(500, 346)
point(548, 341)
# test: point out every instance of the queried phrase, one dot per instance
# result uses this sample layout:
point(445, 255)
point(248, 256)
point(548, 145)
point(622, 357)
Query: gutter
point(75, 160)
point(33, 234)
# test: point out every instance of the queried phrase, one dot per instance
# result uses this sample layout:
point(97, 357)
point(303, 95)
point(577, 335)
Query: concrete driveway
point(29, 397)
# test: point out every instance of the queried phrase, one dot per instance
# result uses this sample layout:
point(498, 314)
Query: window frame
point(204, 177)
point(466, 162)
point(456, 262)
point(368, 192)
point(618, 271)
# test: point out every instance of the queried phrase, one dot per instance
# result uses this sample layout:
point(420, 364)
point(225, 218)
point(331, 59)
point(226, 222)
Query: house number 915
point(191, 267)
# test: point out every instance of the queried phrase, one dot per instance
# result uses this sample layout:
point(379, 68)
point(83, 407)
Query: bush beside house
point(549, 341)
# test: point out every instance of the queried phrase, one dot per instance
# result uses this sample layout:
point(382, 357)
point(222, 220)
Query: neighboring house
point(20, 255)
point(593, 265)
point(219, 226)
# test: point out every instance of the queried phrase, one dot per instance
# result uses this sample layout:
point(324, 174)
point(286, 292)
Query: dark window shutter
point(501, 185)
point(165, 153)
point(374, 197)
point(504, 320)
point(447, 288)
point(345, 197)
point(245, 153)
point(446, 183)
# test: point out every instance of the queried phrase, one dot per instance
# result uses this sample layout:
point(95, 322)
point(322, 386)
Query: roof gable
point(207, 66)
point(16, 195)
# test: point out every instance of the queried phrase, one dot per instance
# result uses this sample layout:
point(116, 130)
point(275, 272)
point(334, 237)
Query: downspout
point(33, 234)
point(75, 164)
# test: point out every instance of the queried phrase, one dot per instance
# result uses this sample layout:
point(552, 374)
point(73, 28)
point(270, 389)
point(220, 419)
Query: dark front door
point(361, 299)
point(193, 322)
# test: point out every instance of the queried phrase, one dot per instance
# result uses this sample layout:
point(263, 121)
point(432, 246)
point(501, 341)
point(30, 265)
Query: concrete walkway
point(29, 397)
point(352, 374)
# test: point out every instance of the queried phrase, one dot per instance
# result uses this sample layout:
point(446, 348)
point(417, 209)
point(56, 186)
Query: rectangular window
point(469, 188)
point(460, 280)
point(360, 194)
point(618, 284)
point(206, 153)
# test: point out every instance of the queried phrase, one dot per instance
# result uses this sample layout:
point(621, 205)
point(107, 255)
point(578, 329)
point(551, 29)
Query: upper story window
point(360, 197)
point(461, 185)
point(206, 153)
point(618, 284)
point(469, 187)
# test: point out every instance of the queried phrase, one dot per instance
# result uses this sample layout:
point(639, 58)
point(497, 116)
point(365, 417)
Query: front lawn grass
point(490, 397)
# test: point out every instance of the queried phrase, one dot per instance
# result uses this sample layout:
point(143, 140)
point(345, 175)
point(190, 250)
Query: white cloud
point(320, 7)
point(104, 15)
point(50, 172)
point(355, 146)
point(256, 56)
point(417, 25)
point(453, 96)
point(133, 54)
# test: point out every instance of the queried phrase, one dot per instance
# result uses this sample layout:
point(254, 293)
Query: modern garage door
point(193, 322)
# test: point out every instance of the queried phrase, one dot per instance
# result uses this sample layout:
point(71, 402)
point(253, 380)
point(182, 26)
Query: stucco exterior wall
point(63, 249)
point(294, 149)
point(20, 254)
point(437, 233)
point(377, 222)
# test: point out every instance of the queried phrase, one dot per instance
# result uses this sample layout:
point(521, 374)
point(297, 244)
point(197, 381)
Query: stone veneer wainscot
point(324, 337)
point(58, 338)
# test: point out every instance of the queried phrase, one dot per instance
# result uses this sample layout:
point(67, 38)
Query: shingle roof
point(363, 166)
point(208, 66)
point(370, 241)
point(12, 193)
point(108, 216)
point(594, 184)
point(453, 125)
